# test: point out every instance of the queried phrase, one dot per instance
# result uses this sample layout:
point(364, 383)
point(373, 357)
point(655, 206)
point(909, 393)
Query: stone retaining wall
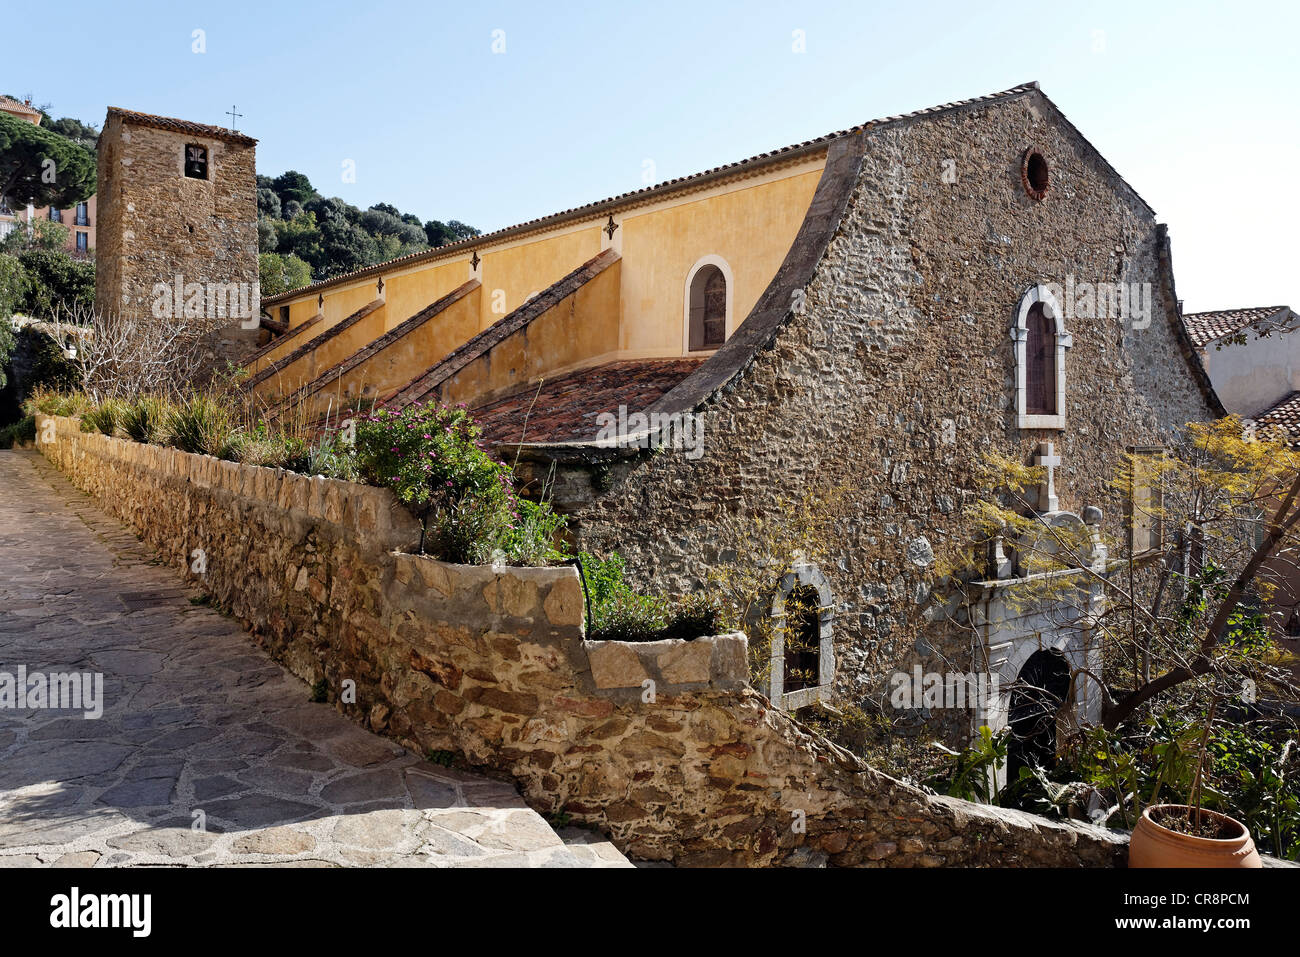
point(662, 744)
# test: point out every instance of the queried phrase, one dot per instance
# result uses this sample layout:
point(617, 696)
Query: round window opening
point(1034, 174)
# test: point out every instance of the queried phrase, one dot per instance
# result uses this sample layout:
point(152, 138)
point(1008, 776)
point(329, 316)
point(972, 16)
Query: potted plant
point(1188, 835)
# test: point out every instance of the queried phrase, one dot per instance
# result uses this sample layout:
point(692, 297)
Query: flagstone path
point(200, 727)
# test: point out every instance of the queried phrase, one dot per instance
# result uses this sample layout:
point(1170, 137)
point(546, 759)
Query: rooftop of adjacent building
point(24, 110)
point(1206, 327)
point(1283, 414)
point(565, 409)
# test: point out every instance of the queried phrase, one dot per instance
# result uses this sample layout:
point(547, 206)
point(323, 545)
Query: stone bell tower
point(178, 228)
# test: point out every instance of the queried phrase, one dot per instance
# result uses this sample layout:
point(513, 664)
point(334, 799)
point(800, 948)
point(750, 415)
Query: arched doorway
point(1037, 697)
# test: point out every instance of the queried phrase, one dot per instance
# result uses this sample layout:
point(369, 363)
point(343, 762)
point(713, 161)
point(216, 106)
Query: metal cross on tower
point(233, 116)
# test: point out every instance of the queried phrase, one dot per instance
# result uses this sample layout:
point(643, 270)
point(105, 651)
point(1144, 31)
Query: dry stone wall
point(492, 664)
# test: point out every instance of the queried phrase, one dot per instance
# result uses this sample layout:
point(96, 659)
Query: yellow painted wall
point(512, 274)
point(285, 345)
point(339, 304)
point(751, 228)
point(406, 359)
point(328, 352)
point(410, 292)
point(750, 223)
point(301, 311)
point(568, 334)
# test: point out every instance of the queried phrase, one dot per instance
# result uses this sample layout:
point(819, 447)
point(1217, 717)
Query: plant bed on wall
point(619, 613)
point(1177, 835)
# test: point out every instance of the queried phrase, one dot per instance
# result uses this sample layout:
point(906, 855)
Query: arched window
point(1040, 363)
point(802, 665)
point(707, 304)
point(802, 636)
point(1041, 341)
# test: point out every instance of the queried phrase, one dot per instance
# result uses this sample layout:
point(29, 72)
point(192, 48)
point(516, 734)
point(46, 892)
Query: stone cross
point(1047, 501)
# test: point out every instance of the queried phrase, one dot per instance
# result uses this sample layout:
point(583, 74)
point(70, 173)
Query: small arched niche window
point(1040, 342)
point(802, 665)
point(708, 304)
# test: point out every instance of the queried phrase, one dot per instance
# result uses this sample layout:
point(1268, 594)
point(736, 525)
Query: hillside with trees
point(303, 236)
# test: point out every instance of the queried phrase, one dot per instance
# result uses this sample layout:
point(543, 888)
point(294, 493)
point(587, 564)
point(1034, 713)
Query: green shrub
point(205, 426)
point(333, 461)
point(104, 417)
point(619, 613)
point(532, 539)
point(147, 419)
point(13, 284)
point(18, 433)
point(432, 459)
point(260, 446)
point(53, 278)
point(49, 402)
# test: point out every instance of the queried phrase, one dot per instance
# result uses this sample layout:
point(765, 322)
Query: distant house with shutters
point(80, 221)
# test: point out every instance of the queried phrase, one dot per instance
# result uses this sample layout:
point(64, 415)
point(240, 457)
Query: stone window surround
point(722, 264)
point(1020, 338)
point(809, 576)
point(1155, 540)
point(211, 156)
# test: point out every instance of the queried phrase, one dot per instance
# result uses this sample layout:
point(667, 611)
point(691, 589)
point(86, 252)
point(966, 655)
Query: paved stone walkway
point(198, 723)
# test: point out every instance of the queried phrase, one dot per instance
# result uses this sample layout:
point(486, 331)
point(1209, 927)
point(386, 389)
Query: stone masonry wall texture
point(156, 224)
point(899, 373)
point(491, 664)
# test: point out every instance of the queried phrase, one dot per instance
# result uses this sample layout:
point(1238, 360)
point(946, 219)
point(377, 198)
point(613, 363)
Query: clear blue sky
point(1194, 103)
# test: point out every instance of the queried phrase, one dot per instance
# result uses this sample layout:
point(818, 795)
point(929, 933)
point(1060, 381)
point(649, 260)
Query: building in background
point(80, 220)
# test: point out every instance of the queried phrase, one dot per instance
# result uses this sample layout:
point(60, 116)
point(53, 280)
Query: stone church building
point(861, 314)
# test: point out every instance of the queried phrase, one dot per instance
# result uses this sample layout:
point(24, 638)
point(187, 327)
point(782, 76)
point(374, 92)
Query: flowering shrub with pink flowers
point(432, 457)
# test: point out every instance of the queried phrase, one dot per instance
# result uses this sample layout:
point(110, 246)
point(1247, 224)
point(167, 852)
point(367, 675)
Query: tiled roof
point(1285, 414)
point(1205, 327)
point(648, 193)
point(564, 409)
point(181, 126)
point(10, 105)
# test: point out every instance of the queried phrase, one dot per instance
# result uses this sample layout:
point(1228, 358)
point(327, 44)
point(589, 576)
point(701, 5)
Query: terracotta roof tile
point(1205, 327)
point(10, 105)
point(1285, 414)
point(564, 409)
point(181, 126)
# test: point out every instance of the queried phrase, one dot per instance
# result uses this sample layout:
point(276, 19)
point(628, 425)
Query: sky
point(496, 113)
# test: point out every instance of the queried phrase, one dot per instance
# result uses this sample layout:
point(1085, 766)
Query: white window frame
point(1020, 338)
point(800, 576)
point(686, 303)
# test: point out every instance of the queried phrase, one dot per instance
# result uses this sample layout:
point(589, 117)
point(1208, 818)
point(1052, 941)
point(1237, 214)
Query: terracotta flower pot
point(1154, 845)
